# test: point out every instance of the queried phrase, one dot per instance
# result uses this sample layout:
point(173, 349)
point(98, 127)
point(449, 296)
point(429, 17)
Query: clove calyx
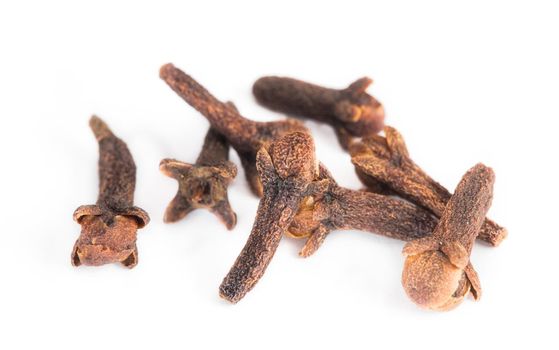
point(203, 184)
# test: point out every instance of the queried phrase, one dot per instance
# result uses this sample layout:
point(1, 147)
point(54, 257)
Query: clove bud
point(287, 169)
point(384, 165)
point(350, 111)
point(332, 207)
point(203, 184)
point(437, 273)
point(108, 228)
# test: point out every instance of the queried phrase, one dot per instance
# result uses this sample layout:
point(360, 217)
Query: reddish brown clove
point(287, 170)
point(333, 207)
point(108, 232)
point(384, 165)
point(203, 184)
point(437, 273)
point(244, 135)
point(351, 111)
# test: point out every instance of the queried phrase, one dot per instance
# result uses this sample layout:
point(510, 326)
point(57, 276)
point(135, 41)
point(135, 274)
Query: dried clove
point(332, 207)
point(437, 273)
point(109, 227)
point(203, 184)
point(350, 111)
point(244, 135)
point(287, 169)
point(384, 165)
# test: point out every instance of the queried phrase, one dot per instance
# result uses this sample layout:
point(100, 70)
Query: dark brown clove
point(351, 111)
point(244, 135)
point(437, 273)
point(203, 184)
point(108, 231)
point(384, 165)
point(287, 170)
point(333, 207)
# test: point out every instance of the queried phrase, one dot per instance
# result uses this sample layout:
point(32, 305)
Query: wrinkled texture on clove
point(350, 111)
point(287, 170)
point(437, 272)
point(203, 184)
point(333, 207)
point(108, 228)
point(244, 135)
point(384, 165)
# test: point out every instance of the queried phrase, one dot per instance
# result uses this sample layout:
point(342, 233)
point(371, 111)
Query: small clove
point(108, 228)
point(332, 207)
point(384, 165)
point(203, 184)
point(350, 111)
point(287, 170)
point(437, 273)
point(244, 135)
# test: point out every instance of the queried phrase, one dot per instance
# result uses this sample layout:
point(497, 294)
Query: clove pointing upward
point(109, 227)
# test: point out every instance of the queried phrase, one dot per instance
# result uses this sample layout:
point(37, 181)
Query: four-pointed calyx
point(350, 111)
point(384, 165)
point(437, 273)
point(288, 169)
point(244, 135)
point(108, 231)
point(203, 184)
point(332, 207)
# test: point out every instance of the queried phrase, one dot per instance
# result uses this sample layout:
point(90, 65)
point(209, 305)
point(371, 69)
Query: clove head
point(431, 281)
point(316, 209)
point(361, 113)
point(200, 187)
point(206, 186)
point(106, 238)
point(293, 157)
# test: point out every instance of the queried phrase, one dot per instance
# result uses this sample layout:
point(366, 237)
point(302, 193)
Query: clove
point(332, 207)
point(350, 111)
point(108, 228)
point(244, 135)
point(287, 170)
point(204, 183)
point(384, 165)
point(437, 272)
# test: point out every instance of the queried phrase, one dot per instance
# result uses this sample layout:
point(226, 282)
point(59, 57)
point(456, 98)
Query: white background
point(463, 83)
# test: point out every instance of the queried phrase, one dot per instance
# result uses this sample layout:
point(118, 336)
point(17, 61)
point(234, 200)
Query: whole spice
point(332, 207)
point(109, 228)
point(287, 170)
point(203, 184)
point(384, 165)
point(437, 272)
point(244, 135)
point(351, 111)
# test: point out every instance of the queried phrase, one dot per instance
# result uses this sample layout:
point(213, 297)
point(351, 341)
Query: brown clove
point(350, 111)
point(203, 184)
point(332, 207)
point(384, 165)
point(287, 169)
point(108, 228)
point(437, 273)
point(244, 135)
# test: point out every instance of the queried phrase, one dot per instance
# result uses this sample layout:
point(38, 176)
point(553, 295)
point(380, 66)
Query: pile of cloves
point(299, 196)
